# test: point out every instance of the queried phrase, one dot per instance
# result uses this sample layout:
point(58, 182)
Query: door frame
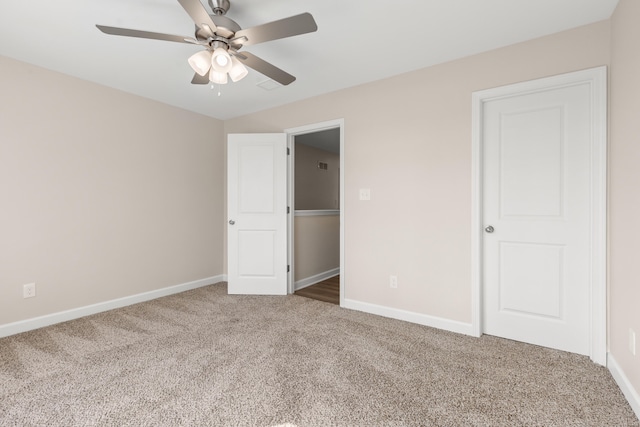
point(291, 134)
point(597, 79)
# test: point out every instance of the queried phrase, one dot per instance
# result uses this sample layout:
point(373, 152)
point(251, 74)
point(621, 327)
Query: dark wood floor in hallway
point(328, 290)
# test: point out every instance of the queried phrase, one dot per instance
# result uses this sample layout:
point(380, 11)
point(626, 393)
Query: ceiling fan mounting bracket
point(220, 7)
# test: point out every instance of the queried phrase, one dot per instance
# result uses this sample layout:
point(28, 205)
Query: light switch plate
point(365, 194)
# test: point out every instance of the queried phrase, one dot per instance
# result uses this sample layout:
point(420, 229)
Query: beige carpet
point(203, 358)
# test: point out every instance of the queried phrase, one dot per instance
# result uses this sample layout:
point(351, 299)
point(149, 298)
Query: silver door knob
point(489, 229)
point(231, 222)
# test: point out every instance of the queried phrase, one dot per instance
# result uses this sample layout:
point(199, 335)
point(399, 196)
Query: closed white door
point(537, 217)
point(257, 214)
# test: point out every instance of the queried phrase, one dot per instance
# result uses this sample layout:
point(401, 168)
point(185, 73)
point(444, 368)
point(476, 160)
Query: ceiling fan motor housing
point(226, 28)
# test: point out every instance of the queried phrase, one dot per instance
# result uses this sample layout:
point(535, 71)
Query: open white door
point(257, 213)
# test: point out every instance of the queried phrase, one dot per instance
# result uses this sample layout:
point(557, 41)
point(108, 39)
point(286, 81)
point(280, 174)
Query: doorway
point(540, 212)
point(316, 222)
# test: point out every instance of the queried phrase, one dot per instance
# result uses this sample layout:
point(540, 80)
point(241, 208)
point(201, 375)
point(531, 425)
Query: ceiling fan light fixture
point(238, 71)
point(221, 60)
point(201, 62)
point(222, 37)
point(217, 77)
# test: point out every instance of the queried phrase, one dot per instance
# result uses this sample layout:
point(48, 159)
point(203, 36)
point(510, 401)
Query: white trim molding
point(410, 316)
point(625, 385)
point(76, 313)
point(322, 212)
point(597, 79)
point(316, 278)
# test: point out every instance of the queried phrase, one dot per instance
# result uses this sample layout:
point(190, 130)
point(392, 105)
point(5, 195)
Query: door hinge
point(288, 209)
point(288, 151)
point(288, 268)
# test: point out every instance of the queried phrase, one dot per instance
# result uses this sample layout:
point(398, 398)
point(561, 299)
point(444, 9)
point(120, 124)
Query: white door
point(257, 214)
point(537, 217)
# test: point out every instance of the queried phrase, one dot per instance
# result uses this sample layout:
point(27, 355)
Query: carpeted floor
point(204, 358)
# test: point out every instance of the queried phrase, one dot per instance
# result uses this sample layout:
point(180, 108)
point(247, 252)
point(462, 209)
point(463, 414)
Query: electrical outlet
point(29, 290)
point(365, 194)
point(632, 341)
point(393, 282)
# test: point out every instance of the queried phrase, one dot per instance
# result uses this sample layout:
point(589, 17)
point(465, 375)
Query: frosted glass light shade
point(221, 60)
point(201, 62)
point(237, 71)
point(217, 77)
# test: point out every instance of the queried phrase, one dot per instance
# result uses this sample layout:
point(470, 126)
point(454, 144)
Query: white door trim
point(597, 79)
point(291, 133)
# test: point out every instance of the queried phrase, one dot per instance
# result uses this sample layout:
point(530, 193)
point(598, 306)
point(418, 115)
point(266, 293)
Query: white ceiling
point(357, 41)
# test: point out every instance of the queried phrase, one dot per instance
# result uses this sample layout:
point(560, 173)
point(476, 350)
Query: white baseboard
point(312, 280)
point(409, 316)
point(75, 313)
point(625, 385)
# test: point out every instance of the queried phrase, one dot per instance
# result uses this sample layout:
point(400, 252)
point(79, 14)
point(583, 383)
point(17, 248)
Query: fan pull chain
point(219, 89)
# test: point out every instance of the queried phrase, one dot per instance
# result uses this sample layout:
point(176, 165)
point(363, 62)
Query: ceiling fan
point(223, 38)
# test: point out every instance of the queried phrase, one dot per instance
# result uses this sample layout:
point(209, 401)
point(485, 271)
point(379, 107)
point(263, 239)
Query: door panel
point(531, 279)
point(256, 253)
point(256, 179)
point(257, 213)
point(531, 162)
point(536, 195)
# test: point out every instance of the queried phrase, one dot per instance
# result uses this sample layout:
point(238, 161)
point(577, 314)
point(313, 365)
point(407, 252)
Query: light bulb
point(237, 71)
point(201, 62)
point(220, 60)
point(217, 77)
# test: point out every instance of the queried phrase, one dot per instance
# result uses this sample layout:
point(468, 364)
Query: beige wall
point(408, 139)
point(624, 196)
point(316, 246)
point(316, 188)
point(103, 194)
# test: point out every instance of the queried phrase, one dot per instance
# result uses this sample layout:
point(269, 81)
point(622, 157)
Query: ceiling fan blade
point(265, 68)
point(143, 34)
point(200, 80)
point(287, 27)
point(198, 13)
